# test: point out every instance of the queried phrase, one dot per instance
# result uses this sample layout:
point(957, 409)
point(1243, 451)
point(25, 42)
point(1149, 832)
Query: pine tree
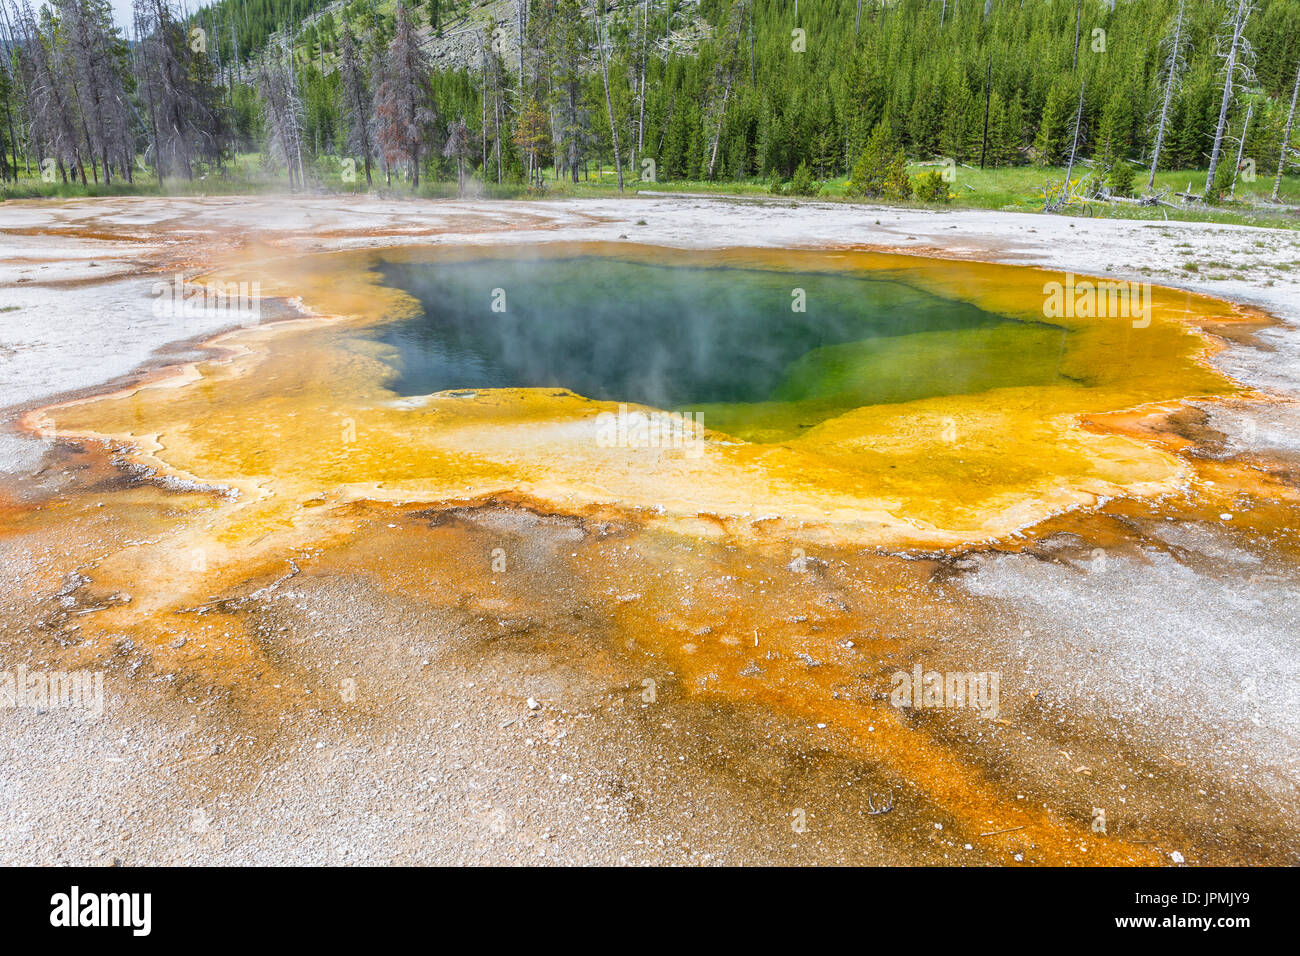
point(881, 170)
point(531, 133)
point(275, 84)
point(725, 75)
point(609, 101)
point(459, 147)
point(93, 53)
point(803, 183)
point(1052, 140)
point(404, 101)
point(1115, 134)
point(355, 103)
point(570, 38)
point(1013, 131)
point(184, 109)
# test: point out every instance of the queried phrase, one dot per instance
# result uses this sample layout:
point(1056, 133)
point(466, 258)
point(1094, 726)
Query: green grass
point(1017, 188)
point(242, 176)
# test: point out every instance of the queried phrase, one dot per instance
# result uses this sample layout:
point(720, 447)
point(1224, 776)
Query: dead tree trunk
point(609, 102)
point(726, 72)
point(1241, 148)
point(1238, 26)
point(1171, 81)
point(483, 128)
point(1078, 22)
point(640, 123)
point(1074, 145)
point(717, 137)
point(1286, 136)
point(988, 95)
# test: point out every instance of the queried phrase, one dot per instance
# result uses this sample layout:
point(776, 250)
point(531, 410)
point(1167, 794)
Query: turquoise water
point(682, 338)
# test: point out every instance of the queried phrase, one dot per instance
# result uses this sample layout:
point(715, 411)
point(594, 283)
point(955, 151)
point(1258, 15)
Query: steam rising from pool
point(762, 350)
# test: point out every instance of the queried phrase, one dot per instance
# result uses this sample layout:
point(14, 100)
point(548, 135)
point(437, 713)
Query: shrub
point(1222, 180)
point(881, 170)
point(1120, 178)
point(931, 187)
point(803, 184)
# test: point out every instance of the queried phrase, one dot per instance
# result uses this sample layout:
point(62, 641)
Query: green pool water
point(725, 341)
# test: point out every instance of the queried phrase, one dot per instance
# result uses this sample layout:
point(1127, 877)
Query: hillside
point(826, 97)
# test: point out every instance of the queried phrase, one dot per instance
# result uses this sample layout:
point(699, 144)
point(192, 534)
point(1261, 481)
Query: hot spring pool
point(762, 353)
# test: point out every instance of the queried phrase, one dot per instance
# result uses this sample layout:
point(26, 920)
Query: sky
point(122, 10)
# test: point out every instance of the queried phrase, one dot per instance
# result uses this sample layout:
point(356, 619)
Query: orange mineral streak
point(298, 412)
point(746, 659)
point(293, 424)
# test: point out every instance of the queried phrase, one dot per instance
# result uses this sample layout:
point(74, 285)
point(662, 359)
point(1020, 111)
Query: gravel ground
point(1149, 649)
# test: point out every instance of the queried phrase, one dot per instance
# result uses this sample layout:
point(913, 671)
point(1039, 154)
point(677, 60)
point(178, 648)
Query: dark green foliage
point(1223, 180)
point(248, 24)
point(803, 183)
point(881, 170)
point(1052, 144)
point(1120, 178)
point(931, 84)
point(993, 90)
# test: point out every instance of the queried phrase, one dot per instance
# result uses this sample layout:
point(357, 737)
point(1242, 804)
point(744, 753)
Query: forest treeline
point(663, 89)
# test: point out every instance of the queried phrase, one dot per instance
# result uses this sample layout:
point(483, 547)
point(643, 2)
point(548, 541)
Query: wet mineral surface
point(341, 622)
